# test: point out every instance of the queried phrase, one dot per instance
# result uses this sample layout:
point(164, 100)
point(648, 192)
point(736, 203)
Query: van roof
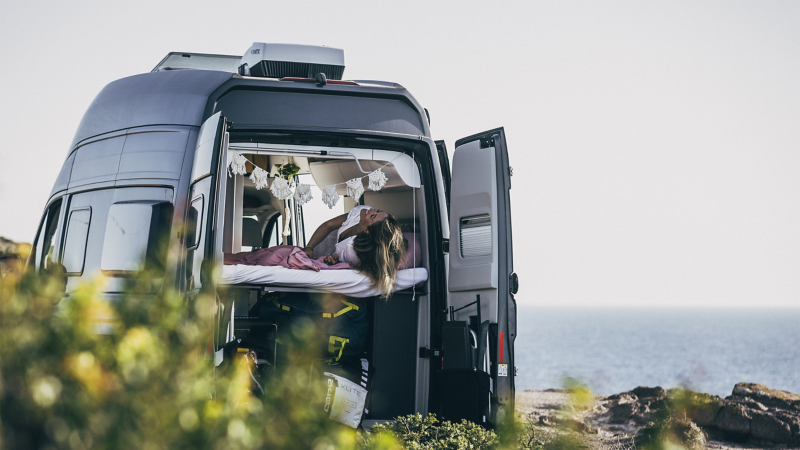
point(187, 97)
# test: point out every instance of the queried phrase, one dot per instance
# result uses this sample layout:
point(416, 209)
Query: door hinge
point(513, 283)
point(516, 371)
point(425, 352)
point(446, 246)
point(510, 171)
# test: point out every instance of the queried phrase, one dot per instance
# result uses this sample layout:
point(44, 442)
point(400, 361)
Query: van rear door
point(203, 234)
point(479, 333)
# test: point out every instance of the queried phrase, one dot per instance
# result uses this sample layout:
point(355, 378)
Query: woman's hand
point(331, 259)
point(309, 251)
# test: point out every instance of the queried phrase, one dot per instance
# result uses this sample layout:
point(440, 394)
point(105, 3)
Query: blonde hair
point(381, 250)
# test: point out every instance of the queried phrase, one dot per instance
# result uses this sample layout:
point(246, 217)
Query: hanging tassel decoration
point(280, 189)
point(377, 180)
point(260, 178)
point(302, 194)
point(355, 188)
point(329, 196)
point(237, 163)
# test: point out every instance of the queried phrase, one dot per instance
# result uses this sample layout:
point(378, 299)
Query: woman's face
point(375, 215)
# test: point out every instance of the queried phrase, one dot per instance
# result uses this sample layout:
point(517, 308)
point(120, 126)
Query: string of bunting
point(282, 189)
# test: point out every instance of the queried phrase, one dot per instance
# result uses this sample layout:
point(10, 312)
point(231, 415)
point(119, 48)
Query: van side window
point(193, 223)
point(135, 237)
point(43, 251)
point(75, 240)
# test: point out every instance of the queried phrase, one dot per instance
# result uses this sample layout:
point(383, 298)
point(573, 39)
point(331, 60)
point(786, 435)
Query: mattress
point(347, 282)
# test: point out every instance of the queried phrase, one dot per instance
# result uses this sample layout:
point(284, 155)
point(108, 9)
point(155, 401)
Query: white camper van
point(189, 151)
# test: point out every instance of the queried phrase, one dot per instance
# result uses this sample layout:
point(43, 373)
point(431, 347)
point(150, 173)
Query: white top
point(345, 248)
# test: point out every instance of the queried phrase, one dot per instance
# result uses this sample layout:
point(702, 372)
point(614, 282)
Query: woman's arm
point(323, 231)
point(362, 225)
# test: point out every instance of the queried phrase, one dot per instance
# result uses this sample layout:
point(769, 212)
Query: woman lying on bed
point(368, 240)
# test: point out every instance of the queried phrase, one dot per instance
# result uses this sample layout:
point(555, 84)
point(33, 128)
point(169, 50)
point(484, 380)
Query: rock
point(767, 396)
point(625, 397)
point(648, 392)
point(748, 402)
point(793, 420)
point(622, 413)
point(734, 419)
point(767, 427)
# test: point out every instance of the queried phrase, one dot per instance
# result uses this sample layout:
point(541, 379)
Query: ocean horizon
point(615, 349)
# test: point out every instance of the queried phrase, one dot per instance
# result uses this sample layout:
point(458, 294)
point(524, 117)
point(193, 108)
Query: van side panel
point(97, 162)
point(153, 154)
point(62, 181)
point(175, 97)
point(100, 201)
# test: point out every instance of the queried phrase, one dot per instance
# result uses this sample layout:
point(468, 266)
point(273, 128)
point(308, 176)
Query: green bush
point(148, 383)
point(672, 427)
point(428, 433)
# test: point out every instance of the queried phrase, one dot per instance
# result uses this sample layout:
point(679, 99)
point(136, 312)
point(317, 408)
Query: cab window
point(45, 240)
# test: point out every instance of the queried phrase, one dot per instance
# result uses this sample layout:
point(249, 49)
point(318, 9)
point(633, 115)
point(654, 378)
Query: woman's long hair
point(381, 251)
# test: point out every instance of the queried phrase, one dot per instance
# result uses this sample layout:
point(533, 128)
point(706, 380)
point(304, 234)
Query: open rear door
point(481, 281)
point(205, 219)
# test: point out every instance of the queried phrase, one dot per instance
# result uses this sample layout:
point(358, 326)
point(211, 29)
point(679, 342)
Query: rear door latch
point(425, 352)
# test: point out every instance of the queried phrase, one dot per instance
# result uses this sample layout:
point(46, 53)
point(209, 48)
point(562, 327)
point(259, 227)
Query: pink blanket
point(287, 256)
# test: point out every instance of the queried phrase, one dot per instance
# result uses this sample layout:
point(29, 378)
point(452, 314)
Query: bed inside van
point(256, 219)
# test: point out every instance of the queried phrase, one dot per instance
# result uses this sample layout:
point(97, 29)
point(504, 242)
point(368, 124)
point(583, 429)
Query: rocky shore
point(753, 416)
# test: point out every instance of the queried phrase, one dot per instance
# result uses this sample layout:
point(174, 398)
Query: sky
point(655, 145)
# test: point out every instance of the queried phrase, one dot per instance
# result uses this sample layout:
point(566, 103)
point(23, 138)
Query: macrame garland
point(280, 189)
point(377, 180)
point(260, 177)
point(237, 163)
point(329, 196)
point(355, 188)
point(302, 194)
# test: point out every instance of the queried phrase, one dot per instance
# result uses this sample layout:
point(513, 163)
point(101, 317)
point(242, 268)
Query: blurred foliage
point(580, 396)
point(429, 433)
point(672, 427)
point(148, 382)
point(134, 370)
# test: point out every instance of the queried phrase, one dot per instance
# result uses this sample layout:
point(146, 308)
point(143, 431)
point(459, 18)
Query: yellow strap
point(332, 345)
point(350, 307)
point(283, 307)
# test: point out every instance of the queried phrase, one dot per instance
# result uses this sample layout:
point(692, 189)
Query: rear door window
point(194, 224)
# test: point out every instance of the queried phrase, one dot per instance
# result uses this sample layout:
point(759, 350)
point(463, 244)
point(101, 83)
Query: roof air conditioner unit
point(292, 60)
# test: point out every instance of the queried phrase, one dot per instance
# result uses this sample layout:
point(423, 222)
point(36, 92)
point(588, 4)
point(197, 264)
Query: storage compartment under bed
point(391, 342)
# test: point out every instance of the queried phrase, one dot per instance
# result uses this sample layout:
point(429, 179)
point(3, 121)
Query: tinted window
point(193, 224)
point(132, 239)
point(293, 109)
point(47, 235)
point(75, 241)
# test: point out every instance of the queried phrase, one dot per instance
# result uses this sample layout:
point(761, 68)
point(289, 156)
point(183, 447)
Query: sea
point(613, 350)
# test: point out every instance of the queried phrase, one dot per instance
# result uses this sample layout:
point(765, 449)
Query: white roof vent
point(292, 60)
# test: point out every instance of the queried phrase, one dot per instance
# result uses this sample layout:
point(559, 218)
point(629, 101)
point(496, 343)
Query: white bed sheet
point(347, 282)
